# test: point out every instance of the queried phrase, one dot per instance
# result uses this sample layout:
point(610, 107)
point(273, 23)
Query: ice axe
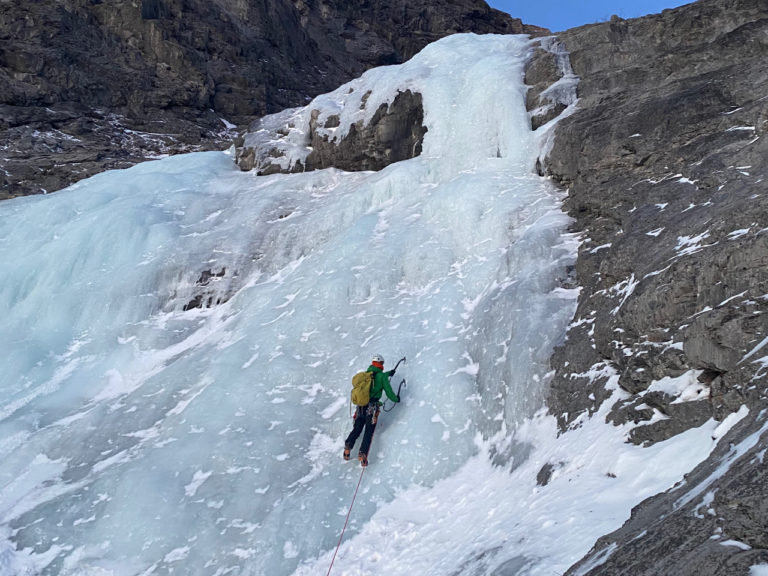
point(402, 383)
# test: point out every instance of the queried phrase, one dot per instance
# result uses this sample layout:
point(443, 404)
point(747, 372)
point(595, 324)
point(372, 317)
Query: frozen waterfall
point(140, 434)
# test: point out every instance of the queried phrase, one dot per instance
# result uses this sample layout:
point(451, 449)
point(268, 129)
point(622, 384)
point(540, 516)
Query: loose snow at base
point(142, 435)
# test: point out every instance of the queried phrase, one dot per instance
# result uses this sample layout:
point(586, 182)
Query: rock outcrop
point(394, 133)
point(88, 85)
point(664, 160)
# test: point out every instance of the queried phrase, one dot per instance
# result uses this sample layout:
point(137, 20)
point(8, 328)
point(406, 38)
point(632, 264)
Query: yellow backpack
point(361, 388)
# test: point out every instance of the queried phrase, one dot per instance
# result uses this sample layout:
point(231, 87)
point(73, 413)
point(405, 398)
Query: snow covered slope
point(141, 434)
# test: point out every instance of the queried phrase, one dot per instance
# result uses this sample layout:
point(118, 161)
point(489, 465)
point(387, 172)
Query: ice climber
point(366, 416)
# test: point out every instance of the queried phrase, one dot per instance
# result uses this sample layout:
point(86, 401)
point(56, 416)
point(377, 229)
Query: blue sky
point(558, 15)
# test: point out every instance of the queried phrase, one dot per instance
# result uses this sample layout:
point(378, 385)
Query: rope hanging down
point(346, 521)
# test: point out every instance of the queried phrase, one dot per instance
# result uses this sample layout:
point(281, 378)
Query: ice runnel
point(143, 435)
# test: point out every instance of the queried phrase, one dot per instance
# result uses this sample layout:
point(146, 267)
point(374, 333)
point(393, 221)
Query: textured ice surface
point(137, 437)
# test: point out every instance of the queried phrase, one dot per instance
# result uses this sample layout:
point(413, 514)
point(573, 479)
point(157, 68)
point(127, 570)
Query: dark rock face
point(665, 164)
point(204, 296)
point(87, 85)
point(48, 148)
point(394, 133)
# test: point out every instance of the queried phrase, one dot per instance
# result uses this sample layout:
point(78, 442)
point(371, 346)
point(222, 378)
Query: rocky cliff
point(664, 161)
point(88, 85)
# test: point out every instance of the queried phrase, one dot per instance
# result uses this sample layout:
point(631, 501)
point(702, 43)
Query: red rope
point(345, 521)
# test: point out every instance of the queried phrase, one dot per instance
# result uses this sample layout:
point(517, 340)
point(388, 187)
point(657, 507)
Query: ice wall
point(140, 437)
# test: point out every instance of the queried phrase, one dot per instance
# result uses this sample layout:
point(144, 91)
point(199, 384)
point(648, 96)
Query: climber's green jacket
point(381, 384)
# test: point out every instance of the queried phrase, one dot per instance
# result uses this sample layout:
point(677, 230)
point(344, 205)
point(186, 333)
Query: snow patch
point(197, 481)
point(683, 388)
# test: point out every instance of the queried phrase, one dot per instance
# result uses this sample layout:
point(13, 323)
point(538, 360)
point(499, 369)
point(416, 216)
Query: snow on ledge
point(684, 388)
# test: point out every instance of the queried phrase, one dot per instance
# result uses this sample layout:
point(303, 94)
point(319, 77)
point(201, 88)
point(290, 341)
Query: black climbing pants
point(365, 417)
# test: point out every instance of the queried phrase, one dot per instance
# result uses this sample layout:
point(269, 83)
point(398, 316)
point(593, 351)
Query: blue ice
point(141, 436)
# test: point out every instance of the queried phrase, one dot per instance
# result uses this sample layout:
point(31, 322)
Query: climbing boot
point(347, 450)
point(363, 459)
